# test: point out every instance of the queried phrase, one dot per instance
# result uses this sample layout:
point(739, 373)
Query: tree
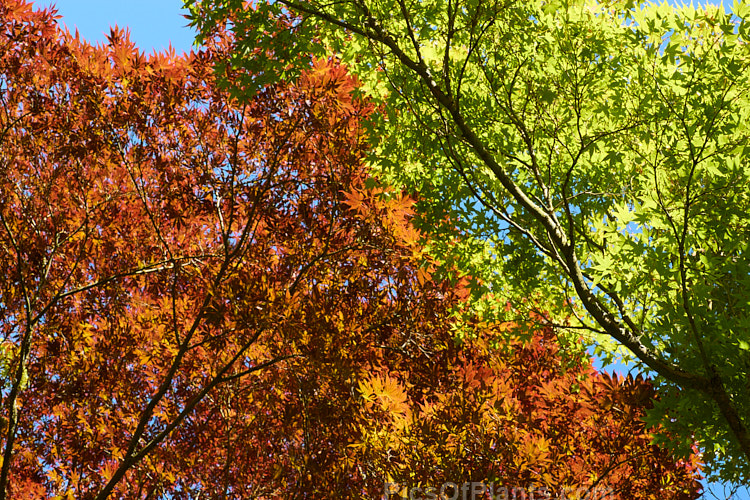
point(587, 155)
point(158, 244)
point(202, 297)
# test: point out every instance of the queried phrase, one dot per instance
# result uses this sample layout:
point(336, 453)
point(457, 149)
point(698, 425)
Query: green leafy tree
point(589, 156)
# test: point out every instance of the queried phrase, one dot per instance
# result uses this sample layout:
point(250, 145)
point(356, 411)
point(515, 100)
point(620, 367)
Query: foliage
point(203, 298)
point(515, 417)
point(158, 244)
point(589, 155)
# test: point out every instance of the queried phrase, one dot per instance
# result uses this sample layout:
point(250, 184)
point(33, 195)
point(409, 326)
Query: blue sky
point(154, 24)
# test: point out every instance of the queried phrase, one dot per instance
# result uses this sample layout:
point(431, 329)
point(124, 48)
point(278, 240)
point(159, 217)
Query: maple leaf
point(356, 201)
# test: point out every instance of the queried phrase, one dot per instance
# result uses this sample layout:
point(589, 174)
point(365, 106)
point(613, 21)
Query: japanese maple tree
point(156, 237)
point(205, 297)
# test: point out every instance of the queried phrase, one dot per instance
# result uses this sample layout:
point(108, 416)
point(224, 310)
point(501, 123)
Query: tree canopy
point(205, 297)
point(585, 157)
